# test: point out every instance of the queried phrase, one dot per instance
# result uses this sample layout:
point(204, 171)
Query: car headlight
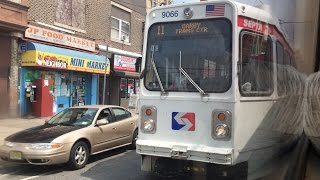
point(148, 125)
point(44, 146)
point(221, 130)
point(9, 144)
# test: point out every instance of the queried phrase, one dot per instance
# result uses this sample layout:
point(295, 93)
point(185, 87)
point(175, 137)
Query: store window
point(78, 90)
point(137, 86)
point(123, 88)
point(62, 83)
point(128, 88)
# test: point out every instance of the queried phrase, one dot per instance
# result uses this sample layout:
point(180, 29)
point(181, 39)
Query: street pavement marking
point(39, 175)
point(11, 173)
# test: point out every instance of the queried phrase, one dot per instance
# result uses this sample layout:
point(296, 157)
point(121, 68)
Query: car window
point(105, 114)
point(121, 114)
point(74, 117)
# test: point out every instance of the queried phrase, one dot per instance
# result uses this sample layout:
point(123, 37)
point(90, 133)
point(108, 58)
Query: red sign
point(124, 63)
point(253, 25)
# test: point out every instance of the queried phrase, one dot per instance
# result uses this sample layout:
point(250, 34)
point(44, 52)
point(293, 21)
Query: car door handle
point(114, 128)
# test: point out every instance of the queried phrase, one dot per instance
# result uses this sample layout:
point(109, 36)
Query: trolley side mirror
point(142, 73)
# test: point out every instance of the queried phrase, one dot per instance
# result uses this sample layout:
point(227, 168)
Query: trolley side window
point(281, 74)
point(256, 77)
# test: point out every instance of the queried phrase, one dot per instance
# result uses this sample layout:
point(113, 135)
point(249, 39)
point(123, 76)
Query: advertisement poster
point(64, 90)
point(124, 63)
point(57, 91)
point(57, 79)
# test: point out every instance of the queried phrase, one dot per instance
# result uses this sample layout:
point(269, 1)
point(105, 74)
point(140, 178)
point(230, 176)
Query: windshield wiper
point(65, 124)
point(156, 71)
point(191, 80)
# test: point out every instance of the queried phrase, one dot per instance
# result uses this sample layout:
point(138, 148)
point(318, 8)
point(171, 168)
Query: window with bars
point(71, 13)
point(154, 3)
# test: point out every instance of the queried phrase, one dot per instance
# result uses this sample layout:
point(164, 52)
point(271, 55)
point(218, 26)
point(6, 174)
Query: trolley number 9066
point(168, 14)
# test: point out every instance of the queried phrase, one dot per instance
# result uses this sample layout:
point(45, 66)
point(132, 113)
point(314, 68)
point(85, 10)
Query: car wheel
point(79, 155)
point(134, 139)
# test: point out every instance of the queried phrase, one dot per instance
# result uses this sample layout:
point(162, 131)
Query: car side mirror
point(102, 122)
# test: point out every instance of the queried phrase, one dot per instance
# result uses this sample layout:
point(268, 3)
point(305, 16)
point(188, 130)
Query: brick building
point(153, 3)
point(63, 53)
point(13, 22)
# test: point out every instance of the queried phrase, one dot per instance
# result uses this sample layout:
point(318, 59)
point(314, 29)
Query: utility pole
point(105, 77)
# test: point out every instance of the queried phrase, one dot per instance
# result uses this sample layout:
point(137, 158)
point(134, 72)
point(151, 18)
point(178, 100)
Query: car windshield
point(200, 49)
point(74, 117)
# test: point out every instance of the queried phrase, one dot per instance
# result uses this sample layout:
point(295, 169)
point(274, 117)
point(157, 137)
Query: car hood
point(41, 134)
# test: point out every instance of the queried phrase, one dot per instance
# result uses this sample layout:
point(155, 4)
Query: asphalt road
point(120, 164)
point(313, 166)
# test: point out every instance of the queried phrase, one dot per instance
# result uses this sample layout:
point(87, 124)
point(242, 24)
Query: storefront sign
point(86, 65)
point(124, 63)
point(42, 34)
point(57, 61)
point(51, 60)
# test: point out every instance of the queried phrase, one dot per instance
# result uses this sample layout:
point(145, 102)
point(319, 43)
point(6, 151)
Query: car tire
point(79, 155)
point(134, 139)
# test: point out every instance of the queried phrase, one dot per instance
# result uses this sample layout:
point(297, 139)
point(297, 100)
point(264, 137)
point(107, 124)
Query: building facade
point(13, 23)
point(154, 3)
point(63, 54)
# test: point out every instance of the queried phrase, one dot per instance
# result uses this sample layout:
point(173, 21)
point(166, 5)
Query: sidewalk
point(10, 126)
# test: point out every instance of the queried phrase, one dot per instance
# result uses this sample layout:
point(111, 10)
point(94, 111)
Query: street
point(116, 164)
point(313, 166)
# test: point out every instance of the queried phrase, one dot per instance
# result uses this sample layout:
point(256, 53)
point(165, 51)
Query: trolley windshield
point(200, 49)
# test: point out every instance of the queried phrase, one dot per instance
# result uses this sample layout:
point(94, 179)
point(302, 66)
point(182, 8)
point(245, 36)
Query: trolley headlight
point(148, 125)
point(148, 121)
point(221, 130)
point(221, 125)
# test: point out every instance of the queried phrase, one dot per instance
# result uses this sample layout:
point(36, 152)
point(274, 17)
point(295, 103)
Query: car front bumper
point(186, 152)
point(20, 153)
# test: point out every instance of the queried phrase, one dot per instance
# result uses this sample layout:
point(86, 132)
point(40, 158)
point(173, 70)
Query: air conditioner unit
point(123, 38)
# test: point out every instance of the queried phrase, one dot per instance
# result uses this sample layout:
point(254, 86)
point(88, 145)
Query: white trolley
point(215, 88)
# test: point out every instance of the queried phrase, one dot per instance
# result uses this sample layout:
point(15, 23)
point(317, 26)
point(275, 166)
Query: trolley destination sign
point(189, 28)
point(173, 29)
